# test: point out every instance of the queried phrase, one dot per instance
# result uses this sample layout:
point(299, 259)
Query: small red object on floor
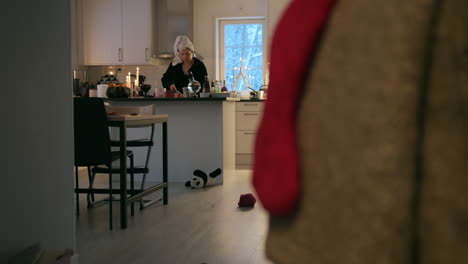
point(247, 200)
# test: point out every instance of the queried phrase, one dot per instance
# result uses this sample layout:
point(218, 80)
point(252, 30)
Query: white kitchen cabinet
point(136, 31)
point(248, 115)
point(115, 32)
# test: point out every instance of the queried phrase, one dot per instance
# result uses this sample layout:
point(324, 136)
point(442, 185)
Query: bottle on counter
point(224, 89)
point(212, 88)
point(217, 86)
point(194, 85)
point(206, 85)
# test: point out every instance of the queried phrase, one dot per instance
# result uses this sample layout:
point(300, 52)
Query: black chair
point(93, 146)
point(146, 142)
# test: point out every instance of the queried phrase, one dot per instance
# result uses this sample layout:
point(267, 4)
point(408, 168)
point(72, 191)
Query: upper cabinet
point(136, 31)
point(115, 32)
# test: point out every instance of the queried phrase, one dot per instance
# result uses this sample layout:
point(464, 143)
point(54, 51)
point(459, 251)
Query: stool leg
point(148, 155)
point(110, 197)
point(132, 185)
point(90, 196)
point(89, 178)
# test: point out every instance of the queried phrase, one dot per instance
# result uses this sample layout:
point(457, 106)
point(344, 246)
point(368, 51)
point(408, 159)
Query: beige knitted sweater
point(383, 139)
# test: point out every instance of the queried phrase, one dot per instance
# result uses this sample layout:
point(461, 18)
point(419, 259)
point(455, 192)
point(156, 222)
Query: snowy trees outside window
point(242, 46)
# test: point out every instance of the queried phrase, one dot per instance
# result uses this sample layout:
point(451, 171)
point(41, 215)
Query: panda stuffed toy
point(201, 180)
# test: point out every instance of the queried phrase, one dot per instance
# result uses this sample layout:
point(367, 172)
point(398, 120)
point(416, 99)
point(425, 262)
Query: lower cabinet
point(248, 115)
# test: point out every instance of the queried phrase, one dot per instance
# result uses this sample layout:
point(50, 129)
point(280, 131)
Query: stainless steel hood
point(173, 18)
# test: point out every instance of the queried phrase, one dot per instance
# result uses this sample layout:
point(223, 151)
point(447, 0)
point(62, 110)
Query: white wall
point(37, 137)
point(275, 10)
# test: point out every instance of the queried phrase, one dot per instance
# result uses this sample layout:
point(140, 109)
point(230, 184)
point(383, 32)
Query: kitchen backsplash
point(153, 73)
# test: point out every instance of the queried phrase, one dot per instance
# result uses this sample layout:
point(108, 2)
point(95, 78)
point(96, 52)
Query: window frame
point(220, 23)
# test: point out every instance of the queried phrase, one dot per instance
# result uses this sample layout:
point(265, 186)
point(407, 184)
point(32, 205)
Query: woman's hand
point(172, 88)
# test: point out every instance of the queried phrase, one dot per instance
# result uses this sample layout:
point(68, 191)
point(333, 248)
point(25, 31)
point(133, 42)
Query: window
point(242, 49)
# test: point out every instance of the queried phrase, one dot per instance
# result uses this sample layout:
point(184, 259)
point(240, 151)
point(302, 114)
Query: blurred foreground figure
point(365, 160)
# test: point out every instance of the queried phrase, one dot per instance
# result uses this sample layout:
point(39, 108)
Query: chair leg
point(148, 155)
point(89, 178)
point(132, 184)
point(110, 196)
point(76, 192)
point(90, 196)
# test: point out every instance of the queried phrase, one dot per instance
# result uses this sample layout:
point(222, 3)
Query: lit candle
point(137, 78)
point(129, 80)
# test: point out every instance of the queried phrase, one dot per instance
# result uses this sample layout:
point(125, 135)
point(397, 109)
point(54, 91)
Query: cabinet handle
point(249, 133)
point(120, 54)
point(250, 113)
point(146, 54)
point(251, 104)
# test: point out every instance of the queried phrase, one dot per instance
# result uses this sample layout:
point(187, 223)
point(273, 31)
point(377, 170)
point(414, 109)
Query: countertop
point(144, 99)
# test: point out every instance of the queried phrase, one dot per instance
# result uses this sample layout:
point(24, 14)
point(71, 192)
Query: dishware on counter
point(93, 93)
point(186, 92)
point(254, 94)
point(160, 92)
point(260, 95)
point(234, 94)
point(264, 88)
point(80, 76)
point(107, 79)
point(204, 95)
point(102, 90)
point(145, 88)
point(220, 95)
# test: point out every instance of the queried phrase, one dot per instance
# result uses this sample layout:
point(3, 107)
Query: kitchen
point(49, 54)
point(148, 30)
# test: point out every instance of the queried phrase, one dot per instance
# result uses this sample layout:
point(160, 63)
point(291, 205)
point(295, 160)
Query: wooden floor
point(197, 226)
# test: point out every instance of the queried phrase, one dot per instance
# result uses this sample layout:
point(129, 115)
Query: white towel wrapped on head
point(182, 42)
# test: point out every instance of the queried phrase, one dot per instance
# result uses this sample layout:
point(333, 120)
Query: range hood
point(173, 18)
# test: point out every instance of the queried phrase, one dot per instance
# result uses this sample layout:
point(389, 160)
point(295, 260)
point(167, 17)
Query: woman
point(178, 73)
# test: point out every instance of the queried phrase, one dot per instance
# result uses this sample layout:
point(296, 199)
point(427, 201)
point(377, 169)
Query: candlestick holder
point(242, 73)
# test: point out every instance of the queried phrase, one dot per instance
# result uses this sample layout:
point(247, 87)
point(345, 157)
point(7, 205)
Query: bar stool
point(92, 145)
point(144, 142)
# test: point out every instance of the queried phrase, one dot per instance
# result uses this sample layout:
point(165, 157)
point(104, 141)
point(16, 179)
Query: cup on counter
point(233, 94)
point(160, 92)
point(101, 90)
point(93, 93)
point(186, 92)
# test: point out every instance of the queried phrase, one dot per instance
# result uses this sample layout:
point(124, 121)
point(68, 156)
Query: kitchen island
point(200, 135)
